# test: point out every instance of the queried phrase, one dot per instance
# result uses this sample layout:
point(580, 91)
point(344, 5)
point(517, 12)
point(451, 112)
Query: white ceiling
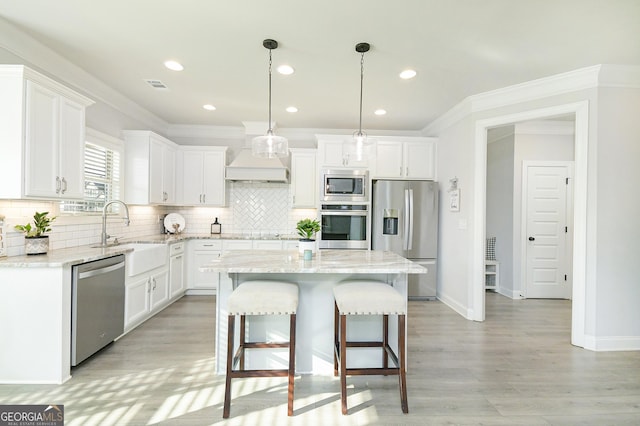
point(458, 47)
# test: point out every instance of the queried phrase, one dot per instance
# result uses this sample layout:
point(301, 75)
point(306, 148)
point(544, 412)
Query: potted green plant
point(307, 229)
point(35, 242)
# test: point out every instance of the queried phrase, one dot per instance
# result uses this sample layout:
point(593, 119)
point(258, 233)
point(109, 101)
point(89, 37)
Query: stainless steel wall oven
point(344, 226)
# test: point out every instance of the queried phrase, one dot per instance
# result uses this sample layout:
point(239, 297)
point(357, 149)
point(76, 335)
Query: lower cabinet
point(200, 253)
point(145, 294)
point(176, 270)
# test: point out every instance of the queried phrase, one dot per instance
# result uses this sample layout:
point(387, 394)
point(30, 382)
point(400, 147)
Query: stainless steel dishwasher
point(97, 308)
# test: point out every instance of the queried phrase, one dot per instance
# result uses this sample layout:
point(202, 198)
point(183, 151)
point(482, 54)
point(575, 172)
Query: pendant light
point(270, 145)
point(357, 147)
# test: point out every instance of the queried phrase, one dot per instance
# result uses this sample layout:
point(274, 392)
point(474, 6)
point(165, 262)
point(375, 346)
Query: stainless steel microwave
point(345, 185)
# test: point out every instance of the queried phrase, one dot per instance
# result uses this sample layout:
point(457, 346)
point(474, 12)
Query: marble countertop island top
point(323, 262)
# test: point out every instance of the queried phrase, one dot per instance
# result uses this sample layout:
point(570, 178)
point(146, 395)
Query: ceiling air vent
point(157, 84)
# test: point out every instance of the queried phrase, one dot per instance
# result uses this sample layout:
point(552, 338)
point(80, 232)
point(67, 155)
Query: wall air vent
point(157, 84)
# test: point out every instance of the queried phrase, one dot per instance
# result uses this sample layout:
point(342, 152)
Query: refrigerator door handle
point(410, 214)
point(407, 219)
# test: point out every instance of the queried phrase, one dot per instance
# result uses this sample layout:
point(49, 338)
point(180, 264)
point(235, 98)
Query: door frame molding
point(523, 219)
point(581, 149)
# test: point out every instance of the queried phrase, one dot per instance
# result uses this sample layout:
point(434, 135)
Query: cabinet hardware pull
point(57, 184)
point(64, 185)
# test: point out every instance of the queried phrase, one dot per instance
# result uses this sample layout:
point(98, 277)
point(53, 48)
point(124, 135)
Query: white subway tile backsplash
point(255, 209)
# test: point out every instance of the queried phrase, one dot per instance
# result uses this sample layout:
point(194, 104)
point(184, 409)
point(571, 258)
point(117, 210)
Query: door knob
point(531, 239)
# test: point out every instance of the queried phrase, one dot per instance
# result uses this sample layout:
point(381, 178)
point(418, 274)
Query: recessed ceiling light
point(174, 65)
point(380, 112)
point(407, 74)
point(292, 109)
point(285, 69)
point(209, 107)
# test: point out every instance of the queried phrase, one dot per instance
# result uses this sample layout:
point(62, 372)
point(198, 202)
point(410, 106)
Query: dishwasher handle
point(104, 270)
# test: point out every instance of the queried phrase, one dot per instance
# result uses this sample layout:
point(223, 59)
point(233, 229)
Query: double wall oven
point(344, 209)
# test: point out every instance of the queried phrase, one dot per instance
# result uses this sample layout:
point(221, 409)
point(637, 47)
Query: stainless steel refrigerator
point(405, 221)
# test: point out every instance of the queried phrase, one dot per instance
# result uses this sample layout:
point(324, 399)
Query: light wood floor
point(516, 368)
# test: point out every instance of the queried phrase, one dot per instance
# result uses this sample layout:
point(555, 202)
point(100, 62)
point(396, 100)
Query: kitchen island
point(316, 279)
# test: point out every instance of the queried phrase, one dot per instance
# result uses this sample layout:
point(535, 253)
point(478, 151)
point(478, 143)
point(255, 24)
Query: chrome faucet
point(104, 237)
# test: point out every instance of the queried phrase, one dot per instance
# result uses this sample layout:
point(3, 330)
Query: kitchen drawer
point(238, 245)
point(206, 244)
point(176, 248)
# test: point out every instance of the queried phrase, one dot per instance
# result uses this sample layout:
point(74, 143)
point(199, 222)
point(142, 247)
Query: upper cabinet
point(334, 152)
point(42, 133)
point(405, 158)
point(303, 178)
point(150, 168)
point(201, 176)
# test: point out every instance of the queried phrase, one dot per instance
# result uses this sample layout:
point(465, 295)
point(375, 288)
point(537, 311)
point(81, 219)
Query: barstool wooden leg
point(336, 342)
point(403, 369)
point(227, 388)
point(292, 362)
point(343, 362)
point(243, 329)
point(385, 341)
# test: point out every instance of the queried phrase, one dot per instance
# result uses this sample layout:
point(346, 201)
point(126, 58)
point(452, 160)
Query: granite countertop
point(88, 253)
point(323, 262)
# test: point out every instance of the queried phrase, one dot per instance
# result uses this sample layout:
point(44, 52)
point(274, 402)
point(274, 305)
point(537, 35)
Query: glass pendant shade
point(269, 146)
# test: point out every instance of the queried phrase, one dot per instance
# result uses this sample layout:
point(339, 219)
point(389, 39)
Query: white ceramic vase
point(36, 245)
point(306, 245)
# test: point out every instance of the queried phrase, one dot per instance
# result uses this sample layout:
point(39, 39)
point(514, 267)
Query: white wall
point(500, 202)
point(617, 292)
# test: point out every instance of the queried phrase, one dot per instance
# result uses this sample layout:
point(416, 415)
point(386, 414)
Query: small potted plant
point(35, 242)
point(307, 229)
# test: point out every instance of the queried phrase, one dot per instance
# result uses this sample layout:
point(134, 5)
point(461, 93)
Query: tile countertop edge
point(82, 254)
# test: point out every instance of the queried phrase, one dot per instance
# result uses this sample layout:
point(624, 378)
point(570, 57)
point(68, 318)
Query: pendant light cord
point(271, 131)
point(361, 79)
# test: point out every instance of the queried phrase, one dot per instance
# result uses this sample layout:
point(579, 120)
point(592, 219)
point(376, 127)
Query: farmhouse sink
point(144, 257)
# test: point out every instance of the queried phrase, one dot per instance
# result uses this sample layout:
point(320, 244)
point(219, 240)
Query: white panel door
point(193, 173)
point(547, 260)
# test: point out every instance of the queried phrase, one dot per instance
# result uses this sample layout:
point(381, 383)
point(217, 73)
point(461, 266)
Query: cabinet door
point(419, 160)
point(169, 175)
point(192, 190)
point(389, 160)
point(204, 280)
point(334, 154)
point(156, 191)
point(72, 139)
point(136, 305)
point(303, 180)
point(237, 245)
point(176, 272)
point(267, 244)
point(213, 180)
point(41, 147)
point(159, 290)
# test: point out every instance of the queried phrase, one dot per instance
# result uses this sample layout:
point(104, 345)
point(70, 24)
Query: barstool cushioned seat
point(252, 298)
point(366, 297)
point(262, 297)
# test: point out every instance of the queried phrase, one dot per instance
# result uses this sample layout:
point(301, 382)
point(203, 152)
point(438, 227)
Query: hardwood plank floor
point(516, 368)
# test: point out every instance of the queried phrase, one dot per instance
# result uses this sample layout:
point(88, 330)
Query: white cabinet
point(332, 152)
point(267, 245)
point(410, 158)
point(237, 245)
point(176, 270)
point(304, 178)
point(150, 168)
point(200, 253)
point(145, 294)
point(42, 135)
point(201, 176)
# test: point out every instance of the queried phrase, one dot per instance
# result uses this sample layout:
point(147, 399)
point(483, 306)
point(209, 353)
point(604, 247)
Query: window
point(102, 172)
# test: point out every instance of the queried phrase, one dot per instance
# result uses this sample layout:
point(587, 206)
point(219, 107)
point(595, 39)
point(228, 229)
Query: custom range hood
point(246, 167)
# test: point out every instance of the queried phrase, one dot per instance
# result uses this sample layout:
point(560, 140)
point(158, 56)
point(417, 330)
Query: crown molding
point(580, 79)
point(50, 63)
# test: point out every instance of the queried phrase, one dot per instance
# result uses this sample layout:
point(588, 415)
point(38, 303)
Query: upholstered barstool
point(260, 297)
point(365, 297)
